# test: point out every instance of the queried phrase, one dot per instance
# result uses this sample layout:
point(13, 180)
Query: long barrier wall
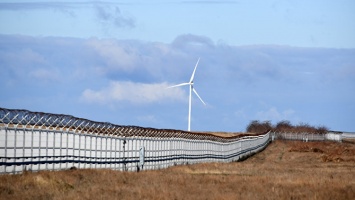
point(331, 135)
point(36, 141)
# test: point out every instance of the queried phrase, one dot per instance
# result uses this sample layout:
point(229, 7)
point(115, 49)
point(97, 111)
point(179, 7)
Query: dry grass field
point(284, 170)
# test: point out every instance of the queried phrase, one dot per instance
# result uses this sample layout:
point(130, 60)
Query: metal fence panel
point(43, 141)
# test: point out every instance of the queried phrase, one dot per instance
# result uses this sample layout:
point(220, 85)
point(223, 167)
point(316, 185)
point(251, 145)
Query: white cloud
point(113, 15)
point(45, 74)
point(88, 66)
point(272, 114)
point(137, 93)
point(116, 55)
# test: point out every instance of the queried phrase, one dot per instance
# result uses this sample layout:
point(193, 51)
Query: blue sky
point(107, 61)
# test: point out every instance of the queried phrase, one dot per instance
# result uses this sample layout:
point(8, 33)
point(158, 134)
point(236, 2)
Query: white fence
point(42, 141)
point(334, 136)
point(348, 135)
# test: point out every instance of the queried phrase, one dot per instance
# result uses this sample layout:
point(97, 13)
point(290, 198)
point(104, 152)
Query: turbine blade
point(193, 89)
point(193, 73)
point(178, 85)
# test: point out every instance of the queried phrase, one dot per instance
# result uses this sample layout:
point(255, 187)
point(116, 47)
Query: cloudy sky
point(105, 61)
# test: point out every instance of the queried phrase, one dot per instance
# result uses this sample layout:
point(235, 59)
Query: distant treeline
point(256, 126)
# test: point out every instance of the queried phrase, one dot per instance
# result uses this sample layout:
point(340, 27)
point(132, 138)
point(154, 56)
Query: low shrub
point(259, 127)
point(256, 126)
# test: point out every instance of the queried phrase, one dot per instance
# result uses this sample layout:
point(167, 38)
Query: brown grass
point(285, 170)
point(229, 134)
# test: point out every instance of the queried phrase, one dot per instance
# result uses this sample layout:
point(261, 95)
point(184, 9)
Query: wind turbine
point(190, 83)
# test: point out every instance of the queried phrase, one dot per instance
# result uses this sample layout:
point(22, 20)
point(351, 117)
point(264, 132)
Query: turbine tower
point(190, 83)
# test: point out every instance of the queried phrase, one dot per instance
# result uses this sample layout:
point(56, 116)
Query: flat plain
point(284, 170)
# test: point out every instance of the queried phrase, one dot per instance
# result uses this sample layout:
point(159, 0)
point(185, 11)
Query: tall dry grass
point(284, 170)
